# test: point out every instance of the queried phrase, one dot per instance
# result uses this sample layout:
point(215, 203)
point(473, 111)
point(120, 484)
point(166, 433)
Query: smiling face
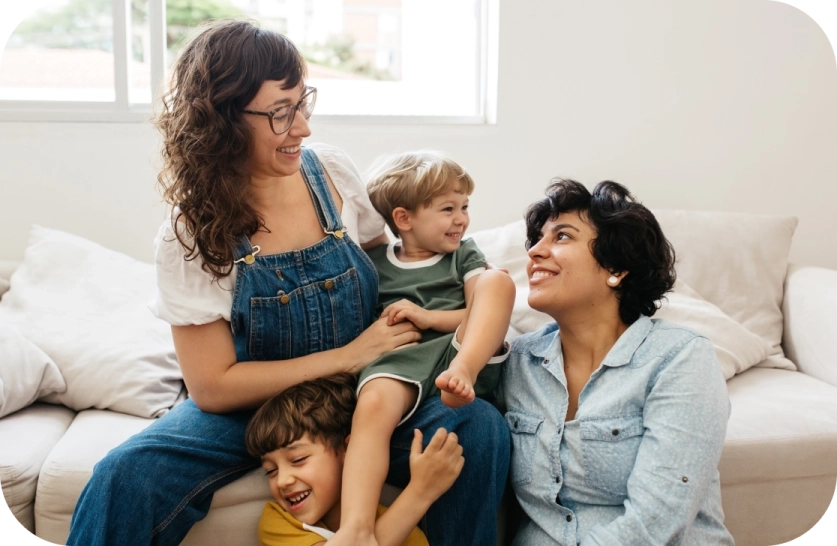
point(439, 227)
point(305, 479)
point(275, 155)
point(564, 277)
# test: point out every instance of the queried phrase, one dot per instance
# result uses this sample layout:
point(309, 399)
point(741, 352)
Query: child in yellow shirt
point(301, 435)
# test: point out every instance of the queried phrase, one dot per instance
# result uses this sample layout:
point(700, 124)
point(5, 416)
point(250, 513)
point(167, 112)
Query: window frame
point(122, 111)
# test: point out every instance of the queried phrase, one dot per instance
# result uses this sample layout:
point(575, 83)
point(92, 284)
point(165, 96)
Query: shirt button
point(328, 285)
point(557, 479)
point(685, 479)
point(546, 361)
point(284, 299)
point(569, 518)
point(615, 432)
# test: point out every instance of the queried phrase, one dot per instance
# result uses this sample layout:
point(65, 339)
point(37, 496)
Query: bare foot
point(352, 537)
point(457, 386)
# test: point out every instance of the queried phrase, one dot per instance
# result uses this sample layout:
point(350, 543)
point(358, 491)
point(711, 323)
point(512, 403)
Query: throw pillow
point(737, 262)
point(85, 307)
point(504, 246)
point(26, 372)
point(737, 348)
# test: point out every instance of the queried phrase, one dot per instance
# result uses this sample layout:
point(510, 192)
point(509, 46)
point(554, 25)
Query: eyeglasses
point(282, 118)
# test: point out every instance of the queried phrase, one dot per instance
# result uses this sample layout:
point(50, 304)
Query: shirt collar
point(623, 350)
point(549, 343)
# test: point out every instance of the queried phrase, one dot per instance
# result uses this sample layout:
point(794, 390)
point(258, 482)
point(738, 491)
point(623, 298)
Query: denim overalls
point(303, 301)
point(160, 482)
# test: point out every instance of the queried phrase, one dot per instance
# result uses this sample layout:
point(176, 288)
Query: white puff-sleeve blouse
point(186, 294)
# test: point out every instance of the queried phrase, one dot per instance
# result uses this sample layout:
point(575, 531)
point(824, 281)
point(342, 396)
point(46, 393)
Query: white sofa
point(779, 464)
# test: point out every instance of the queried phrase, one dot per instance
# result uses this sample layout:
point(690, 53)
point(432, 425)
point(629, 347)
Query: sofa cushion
point(737, 348)
point(26, 372)
point(783, 425)
point(85, 307)
point(810, 321)
point(26, 438)
point(70, 463)
point(737, 262)
point(7, 267)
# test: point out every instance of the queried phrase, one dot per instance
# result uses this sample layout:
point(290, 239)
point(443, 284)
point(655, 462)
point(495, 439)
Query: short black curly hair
point(628, 239)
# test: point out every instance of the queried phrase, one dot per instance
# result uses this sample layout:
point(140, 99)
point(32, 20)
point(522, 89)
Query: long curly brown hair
point(206, 140)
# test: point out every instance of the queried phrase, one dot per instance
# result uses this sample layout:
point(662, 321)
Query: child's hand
point(406, 310)
point(434, 471)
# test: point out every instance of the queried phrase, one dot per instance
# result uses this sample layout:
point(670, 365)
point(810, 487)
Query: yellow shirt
point(279, 528)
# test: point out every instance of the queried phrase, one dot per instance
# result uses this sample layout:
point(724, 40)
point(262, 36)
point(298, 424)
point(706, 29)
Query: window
point(101, 60)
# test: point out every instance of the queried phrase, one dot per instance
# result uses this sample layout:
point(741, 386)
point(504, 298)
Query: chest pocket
point(524, 428)
point(609, 447)
point(318, 316)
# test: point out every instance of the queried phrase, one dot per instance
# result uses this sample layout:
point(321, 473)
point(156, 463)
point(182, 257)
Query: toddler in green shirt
point(439, 282)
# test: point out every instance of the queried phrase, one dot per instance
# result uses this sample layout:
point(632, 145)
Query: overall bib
point(304, 301)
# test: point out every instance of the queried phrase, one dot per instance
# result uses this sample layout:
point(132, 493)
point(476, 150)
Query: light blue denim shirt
point(639, 463)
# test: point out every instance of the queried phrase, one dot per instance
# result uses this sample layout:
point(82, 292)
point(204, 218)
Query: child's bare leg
point(381, 404)
point(480, 335)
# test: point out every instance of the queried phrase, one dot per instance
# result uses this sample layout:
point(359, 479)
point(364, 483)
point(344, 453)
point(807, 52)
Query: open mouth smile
point(294, 500)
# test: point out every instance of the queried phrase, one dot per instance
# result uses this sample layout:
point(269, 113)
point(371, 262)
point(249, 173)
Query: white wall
point(696, 104)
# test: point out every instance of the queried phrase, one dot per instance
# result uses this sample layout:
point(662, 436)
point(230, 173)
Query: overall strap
point(243, 251)
point(315, 179)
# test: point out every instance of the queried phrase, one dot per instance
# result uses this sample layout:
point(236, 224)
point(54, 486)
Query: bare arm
point(219, 384)
point(432, 473)
point(441, 321)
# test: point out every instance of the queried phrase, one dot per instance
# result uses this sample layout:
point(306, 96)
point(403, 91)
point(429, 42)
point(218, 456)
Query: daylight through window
point(422, 58)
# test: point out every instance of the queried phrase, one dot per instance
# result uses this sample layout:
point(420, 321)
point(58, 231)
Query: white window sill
point(106, 114)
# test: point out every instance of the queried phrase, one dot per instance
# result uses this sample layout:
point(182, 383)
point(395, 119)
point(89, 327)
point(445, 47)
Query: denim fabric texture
point(638, 463)
point(155, 486)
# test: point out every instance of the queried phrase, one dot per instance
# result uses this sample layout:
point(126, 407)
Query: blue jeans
point(195, 453)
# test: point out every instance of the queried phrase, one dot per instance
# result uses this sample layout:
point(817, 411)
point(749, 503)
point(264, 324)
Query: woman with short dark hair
point(617, 419)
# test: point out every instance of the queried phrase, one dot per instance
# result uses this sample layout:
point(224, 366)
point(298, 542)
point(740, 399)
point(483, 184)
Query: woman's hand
point(434, 470)
point(379, 339)
point(406, 310)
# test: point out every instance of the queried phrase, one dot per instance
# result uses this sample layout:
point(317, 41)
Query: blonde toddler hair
point(412, 179)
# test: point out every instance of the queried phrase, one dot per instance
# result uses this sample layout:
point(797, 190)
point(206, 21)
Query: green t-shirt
point(436, 284)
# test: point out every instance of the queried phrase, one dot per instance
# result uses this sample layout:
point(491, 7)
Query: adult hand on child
point(378, 339)
point(434, 470)
point(406, 310)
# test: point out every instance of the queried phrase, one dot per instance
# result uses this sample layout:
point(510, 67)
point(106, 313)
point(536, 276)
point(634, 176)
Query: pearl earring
point(613, 280)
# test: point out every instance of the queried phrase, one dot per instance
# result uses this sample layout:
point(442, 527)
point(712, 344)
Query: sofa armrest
point(810, 316)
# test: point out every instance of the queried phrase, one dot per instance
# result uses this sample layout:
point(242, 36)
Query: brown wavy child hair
point(206, 140)
point(412, 180)
point(322, 408)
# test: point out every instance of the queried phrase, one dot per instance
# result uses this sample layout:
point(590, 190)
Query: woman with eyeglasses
point(262, 276)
